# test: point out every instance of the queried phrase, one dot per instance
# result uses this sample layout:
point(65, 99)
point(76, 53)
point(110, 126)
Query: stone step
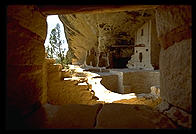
point(50, 61)
point(54, 68)
point(86, 95)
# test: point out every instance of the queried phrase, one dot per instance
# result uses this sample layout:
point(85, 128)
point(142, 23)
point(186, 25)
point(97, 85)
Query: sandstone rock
point(50, 10)
point(50, 61)
point(69, 91)
point(65, 116)
point(140, 81)
point(179, 116)
point(29, 17)
point(25, 47)
point(54, 68)
point(131, 116)
point(163, 106)
point(170, 17)
point(155, 91)
point(65, 74)
point(141, 100)
point(26, 32)
point(109, 81)
point(173, 24)
point(176, 74)
point(98, 31)
point(25, 86)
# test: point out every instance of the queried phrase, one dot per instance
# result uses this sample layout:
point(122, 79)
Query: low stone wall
point(110, 81)
point(140, 81)
point(70, 91)
point(137, 81)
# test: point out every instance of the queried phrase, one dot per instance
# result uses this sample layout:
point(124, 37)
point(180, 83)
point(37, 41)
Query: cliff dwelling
point(128, 66)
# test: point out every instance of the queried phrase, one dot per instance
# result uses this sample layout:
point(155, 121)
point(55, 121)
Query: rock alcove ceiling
point(103, 31)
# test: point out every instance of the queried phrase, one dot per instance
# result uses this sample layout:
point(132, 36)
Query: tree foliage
point(56, 50)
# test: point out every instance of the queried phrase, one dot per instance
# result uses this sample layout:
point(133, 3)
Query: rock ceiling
point(99, 30)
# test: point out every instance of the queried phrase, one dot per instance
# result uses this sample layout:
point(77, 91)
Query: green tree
point(56, 50)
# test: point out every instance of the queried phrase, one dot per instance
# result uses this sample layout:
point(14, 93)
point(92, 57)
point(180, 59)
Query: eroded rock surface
point(103, 32)
point(97, 116)
point(131, 116)
point(64, 116)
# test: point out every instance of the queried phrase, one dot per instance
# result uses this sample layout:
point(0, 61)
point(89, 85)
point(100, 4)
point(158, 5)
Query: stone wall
point(147, 48)
point(142, 53)
point(110, 82)
point(140, 81)
point(155, 46)
point(68, 91)
point(174, 32)
point(136, 81)
point(26, 31)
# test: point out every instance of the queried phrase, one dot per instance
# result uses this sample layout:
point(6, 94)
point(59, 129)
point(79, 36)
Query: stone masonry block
point(24, 87)
point(176, 74)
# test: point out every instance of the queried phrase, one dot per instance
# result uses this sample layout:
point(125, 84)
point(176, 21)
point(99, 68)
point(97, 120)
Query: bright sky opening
point(52, 20)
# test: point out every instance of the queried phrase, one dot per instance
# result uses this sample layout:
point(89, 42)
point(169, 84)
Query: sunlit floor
point(105, 95)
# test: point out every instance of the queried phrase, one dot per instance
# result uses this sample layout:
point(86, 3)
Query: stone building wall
point(140, 81)
point(143, 37)
point(147, 49)
point(26, 32)
point(174, 32)
point(155, 45)
point(136, 81)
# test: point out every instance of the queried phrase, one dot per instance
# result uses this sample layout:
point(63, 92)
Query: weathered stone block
point(68, 92)
point(29, 17)
point(180, 117)
point(170, 17)
point(24, 87)
point(45, 83)
point(174, 24)
point(50, 61)
point(131, 116)
point(66, 116)
point(54, 68)
point(54, 76)
point(24, 46)
point(140, 81)
point(176, 74)
point(110, 82)
point(155, 90)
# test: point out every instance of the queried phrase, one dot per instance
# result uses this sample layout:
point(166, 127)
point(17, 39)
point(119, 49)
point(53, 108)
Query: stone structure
point(105, 39)
point(136, 81)
point(174, 32)
point(147, 49)
point(27, 86)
